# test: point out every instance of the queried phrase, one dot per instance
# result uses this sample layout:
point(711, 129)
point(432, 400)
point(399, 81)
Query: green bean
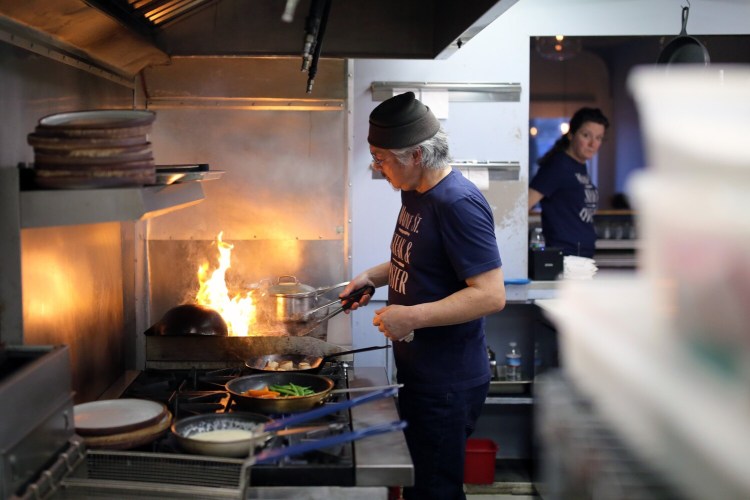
point(291, 389)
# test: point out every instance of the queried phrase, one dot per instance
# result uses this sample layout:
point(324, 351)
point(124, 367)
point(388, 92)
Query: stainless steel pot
point(291, 299)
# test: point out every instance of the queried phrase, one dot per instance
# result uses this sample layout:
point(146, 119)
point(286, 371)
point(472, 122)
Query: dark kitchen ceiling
point(122, 37)
point(403, 29)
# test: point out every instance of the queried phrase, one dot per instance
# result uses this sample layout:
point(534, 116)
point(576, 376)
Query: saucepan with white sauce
point(232, 434)
point(242, 434)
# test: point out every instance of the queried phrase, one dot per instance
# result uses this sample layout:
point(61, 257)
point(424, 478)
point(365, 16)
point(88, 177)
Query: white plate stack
point(578, 268)
point(692, 204)
point(93, 149)
point(665, 357)
point(121, 424)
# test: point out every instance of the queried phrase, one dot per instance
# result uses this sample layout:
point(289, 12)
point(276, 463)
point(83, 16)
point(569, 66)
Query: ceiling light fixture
point(558, 47)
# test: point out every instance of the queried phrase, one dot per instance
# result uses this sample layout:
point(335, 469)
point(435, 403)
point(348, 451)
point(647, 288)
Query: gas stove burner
point(193, 391)
point(190, 403)
point(214, 379)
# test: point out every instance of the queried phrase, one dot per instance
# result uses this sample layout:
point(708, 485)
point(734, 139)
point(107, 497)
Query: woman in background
point(562, 185)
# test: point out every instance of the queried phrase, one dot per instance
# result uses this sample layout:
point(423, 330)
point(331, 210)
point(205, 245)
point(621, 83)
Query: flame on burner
point(239, 311)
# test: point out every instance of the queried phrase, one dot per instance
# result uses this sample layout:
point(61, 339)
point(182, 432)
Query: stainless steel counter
point(381, 462)
point(543, 290)
point(529, 292)
point(384, 460)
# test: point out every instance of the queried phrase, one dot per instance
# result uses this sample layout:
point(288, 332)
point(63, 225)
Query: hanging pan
point(684, 49)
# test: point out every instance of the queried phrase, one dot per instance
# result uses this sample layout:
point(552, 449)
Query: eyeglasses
point(375, 161)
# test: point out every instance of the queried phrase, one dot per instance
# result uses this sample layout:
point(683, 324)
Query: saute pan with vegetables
point(284, 392)
point(302, 391)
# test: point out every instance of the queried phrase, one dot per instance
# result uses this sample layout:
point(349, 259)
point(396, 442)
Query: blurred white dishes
point(578, 268)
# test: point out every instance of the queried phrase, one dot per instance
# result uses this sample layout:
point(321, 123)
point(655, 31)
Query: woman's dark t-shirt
point(568, 206)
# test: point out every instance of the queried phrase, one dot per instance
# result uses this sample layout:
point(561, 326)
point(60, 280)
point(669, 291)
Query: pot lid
point(290, 286)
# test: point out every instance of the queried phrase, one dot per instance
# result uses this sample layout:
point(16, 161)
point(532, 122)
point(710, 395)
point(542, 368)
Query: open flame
point(239, 311)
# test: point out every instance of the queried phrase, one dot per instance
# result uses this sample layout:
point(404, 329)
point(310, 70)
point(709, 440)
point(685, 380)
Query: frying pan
point(684, 48)
point(258, 363)
point(321, 387)
point(252, 427)
point(262, 427)
point(190, 319)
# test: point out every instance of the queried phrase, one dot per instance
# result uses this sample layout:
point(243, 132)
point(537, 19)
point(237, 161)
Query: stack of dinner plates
point(121, 424)
point(93, 149)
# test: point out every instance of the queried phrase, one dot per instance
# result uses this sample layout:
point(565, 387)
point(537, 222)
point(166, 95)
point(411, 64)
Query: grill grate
point(165, 468)
point(112, 474)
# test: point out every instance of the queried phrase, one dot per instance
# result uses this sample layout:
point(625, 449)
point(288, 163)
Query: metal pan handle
point(348, 301)
point(354, 351)
point(300, 418)
point(276, 453)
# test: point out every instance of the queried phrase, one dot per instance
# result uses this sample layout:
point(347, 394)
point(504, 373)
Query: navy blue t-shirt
point(568, 206)
point(442, 237)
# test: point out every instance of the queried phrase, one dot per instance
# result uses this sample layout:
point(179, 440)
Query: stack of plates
point(578, 268)
point(121, 424)
point(93, 149)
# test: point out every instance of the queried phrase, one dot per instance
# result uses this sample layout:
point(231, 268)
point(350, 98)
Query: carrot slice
point(261, 393)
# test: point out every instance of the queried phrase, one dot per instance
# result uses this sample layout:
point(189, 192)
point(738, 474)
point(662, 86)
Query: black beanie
point(400, 122)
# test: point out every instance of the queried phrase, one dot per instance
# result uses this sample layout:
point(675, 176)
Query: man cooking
point(443, 277)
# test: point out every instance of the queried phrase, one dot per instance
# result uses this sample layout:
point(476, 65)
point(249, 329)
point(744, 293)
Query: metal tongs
point(312, 324)
point(348, 301)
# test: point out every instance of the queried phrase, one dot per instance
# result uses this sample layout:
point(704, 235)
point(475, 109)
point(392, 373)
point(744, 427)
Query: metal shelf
point(90, 206)
point(508, 400)
point(604, 244)
point(510, 393)
point(457, 92)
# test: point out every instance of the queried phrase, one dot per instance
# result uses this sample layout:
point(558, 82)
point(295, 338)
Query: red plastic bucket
point(479, 465)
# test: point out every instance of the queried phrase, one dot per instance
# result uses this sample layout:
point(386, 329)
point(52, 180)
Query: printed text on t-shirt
point(591, 199)
point(401, 249)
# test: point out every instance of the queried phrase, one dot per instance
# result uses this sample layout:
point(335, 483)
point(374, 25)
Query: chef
point(443, 277)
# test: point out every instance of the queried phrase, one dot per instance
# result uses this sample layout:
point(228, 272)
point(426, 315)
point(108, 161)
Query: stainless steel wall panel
point(281, 203)
point(174, 265)
point(70, 289)
point(227, 78)
point(73, 294)
point(285, 173)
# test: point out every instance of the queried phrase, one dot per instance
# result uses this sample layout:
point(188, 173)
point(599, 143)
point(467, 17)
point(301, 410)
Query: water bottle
point(513, 363)
point(537, 239)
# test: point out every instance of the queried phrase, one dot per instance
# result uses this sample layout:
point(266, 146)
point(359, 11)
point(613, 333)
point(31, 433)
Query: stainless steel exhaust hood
point(128, 35)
